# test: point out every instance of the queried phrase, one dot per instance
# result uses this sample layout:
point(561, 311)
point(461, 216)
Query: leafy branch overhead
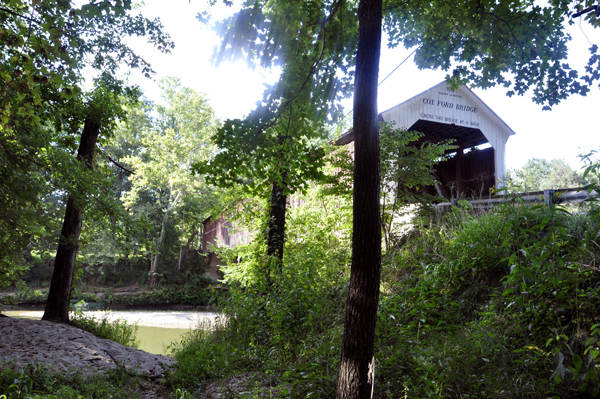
point(47, 45)
point(312, 43)
point(519, 45)
point(250, 156)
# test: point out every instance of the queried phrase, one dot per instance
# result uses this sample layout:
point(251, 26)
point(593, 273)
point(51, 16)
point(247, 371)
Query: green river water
point(153, 339)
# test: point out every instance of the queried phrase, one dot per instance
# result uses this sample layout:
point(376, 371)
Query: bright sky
point(566, 131)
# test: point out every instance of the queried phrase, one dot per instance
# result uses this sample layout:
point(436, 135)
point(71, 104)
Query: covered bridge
point(441, 114)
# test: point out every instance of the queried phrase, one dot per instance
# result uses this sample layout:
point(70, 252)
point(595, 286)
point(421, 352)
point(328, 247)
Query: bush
point(481, 305)
point(283, 322)
point(31, 297)
point(502, 304)
point(169, 295)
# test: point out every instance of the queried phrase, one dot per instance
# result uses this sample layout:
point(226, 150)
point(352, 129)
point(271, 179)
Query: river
point(156, 330)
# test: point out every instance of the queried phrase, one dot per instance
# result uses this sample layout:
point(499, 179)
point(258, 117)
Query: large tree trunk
point(357, 367)
point(59, 296)
point(276, 227)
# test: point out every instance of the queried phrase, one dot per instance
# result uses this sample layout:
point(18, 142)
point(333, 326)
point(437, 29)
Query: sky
point(566, 131)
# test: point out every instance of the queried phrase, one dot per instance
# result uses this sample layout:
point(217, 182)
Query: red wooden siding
point(220, 232)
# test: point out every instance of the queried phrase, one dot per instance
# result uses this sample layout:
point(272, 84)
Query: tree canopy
point(519, 45)
point(541, 174)
point(46, 47)
point(178, 138)
point(276, 146)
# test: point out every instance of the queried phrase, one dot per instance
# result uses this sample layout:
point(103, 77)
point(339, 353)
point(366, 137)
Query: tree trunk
point(357, 367)
point(154, 268)
point(59, 296)
point(161, 238)
point(181, 245)
point(276, 227)
point(187, 247)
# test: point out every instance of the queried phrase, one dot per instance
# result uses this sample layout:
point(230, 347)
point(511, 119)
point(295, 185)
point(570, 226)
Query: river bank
point(67, 349)
point(133, 297)
point(156, 330)
point(163, 319)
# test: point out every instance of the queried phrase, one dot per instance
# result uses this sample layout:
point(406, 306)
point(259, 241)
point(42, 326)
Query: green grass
point(38, 381)
point(116, 330)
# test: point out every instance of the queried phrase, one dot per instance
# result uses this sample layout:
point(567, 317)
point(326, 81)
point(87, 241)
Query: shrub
point(283, 322)
point(502, 304)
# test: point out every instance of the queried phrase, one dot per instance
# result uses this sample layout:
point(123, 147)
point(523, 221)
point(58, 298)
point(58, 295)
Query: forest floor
point(68, 349)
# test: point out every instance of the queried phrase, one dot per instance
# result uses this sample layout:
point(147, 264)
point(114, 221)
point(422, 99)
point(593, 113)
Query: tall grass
point(103, 327)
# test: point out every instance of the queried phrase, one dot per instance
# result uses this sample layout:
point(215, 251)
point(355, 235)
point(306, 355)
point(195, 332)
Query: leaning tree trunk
point(357, 365)
point(59, 296)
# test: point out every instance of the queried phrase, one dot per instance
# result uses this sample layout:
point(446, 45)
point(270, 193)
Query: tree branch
point(587, 10)
point(120, 166)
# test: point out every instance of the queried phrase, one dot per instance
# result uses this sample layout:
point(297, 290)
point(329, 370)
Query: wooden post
point(460, 186)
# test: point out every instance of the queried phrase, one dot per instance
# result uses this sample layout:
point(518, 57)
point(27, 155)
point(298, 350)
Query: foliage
point(406, 166)
point(482, 305)
point(169, 295)
point(518, 45)
point(116, 330)
point(39, 381)
point(279, 139)
point(277, 145)
point(147, 171)
point(31, 296)
point(178, 138)
point(46, 48)
point(200, 357)
point(289, 331)
point(540, 174)
point(592, 173)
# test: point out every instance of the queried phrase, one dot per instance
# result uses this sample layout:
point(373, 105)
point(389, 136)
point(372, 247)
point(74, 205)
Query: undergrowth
point(168, 295)
point(501, 304)
point(482, 305)
point(282, 326)
point(39, 381)
point(495, 304)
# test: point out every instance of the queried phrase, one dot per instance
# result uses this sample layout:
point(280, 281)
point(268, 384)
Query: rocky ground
point(66, 348)
point(70, 349)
